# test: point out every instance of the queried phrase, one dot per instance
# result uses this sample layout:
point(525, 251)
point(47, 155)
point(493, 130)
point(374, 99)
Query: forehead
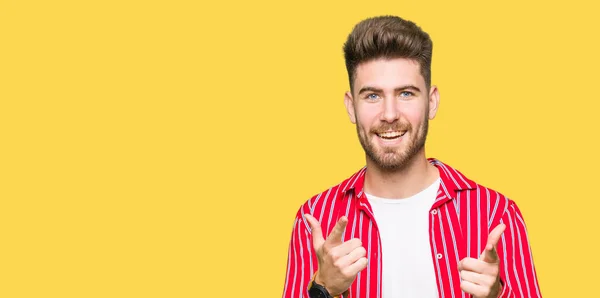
point(388, 73)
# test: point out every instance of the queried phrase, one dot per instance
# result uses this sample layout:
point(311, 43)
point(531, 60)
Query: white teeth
point(391, 134)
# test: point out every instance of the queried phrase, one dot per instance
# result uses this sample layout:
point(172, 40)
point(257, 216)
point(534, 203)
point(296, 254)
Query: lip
point(390, 142)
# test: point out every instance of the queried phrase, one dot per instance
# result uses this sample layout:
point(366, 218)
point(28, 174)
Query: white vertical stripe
point(512, 235)
point(454, 242)
point(354, 220)
point(520, 242)
point(489, 200)
point(312, 206)
point(358, 278)
point(323, 206)
point(446, 253)
point(495, 209)
point(479, 220)
point(295, 261)
point(378, 265)
point(302, 260)
point(356, 211)
point(468, 211)
point(348, 207)
point(369, 264)
point(505, 258)
point(436, 261)
point(537, 289)
point(457, 205)
point(308, 249)
point(303, 219)
point(329, 221)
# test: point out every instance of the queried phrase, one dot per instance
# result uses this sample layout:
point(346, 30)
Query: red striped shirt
point(460, 220)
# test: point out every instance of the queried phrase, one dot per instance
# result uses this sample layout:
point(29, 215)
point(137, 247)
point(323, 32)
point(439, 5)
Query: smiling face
point(391, 107)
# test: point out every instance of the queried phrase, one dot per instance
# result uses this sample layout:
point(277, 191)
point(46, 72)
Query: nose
point(390, 110)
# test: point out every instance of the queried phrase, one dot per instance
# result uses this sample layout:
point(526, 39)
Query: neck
point(416, 175)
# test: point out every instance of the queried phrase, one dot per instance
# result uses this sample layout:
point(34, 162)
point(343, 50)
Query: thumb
point(489, 254)
point(317, 233)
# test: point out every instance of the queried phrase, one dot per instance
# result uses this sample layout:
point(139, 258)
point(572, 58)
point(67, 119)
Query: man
point(405, 225)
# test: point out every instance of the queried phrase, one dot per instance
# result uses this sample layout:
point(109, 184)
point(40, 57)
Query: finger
point(474, 265)
point(472, 277)
point(351, 257)
point(471, 288)
point(357, 266)
point(489, 254)
point(335, 237)
point(316, 232)
point(496, 233)
point(346, 247)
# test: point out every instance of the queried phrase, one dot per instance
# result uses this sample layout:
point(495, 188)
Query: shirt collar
point(451, 180)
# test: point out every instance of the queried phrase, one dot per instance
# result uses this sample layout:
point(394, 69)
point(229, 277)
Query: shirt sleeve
point(301, 263)
point(517, 271)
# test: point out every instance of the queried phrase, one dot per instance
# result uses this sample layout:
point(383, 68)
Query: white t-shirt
point(406, 252)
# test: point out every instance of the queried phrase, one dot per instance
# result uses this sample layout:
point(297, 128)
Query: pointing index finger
point(495, 235)
point(489, 254)
point(335, 237)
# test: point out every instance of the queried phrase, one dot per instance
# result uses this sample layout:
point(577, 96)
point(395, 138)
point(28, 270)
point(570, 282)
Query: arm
point(301, 263)
point(517, 272)
point(338, 262)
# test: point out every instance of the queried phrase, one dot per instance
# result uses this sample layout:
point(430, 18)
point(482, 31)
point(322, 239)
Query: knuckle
point(364, 263)
point(355, 242)
point(330, 250)
point(334, 254)
point(362, 251)
point(494, 271)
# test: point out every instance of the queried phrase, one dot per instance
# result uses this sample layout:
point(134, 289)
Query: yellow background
point(162, 148)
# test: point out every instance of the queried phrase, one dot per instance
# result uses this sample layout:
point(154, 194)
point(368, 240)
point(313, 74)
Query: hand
point(339, 262)
point(480, 276)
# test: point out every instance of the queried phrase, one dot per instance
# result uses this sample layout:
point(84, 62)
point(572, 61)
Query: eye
point(406, 94)
point(372, 96)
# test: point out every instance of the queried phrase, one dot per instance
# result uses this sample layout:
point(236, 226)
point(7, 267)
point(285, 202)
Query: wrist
point(319, 281)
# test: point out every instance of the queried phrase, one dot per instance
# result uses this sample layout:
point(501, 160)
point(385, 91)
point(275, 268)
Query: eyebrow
point(378, 90)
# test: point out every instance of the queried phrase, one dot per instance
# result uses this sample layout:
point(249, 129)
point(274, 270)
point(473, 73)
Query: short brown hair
point(388, 37)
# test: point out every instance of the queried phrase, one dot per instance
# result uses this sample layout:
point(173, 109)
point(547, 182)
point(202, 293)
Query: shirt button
point(434, 211)
point(439, 256)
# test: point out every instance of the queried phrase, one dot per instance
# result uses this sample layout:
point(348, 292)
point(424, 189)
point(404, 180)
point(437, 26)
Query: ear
point(434, 101)
point(349, 102)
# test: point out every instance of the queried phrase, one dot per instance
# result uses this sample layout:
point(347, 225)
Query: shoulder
point(495, 201)
point(324, 202)
point(471, 194)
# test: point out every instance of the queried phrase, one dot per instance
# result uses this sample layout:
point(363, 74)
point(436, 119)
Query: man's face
point(391, 108)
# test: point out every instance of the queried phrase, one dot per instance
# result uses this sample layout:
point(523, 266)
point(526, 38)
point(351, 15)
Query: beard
point(391, 159)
